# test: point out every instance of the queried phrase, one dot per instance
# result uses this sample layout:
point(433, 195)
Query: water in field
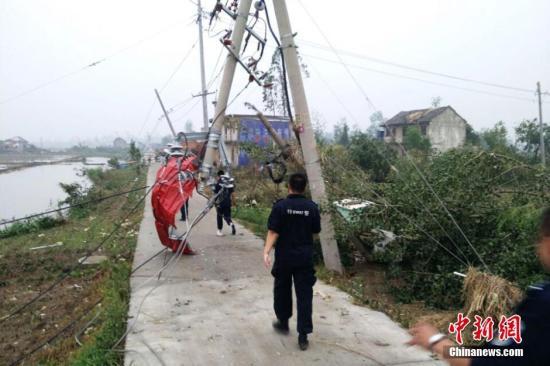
point(36, 189)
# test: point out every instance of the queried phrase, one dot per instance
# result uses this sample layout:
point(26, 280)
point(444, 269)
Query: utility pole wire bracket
point(246, 68)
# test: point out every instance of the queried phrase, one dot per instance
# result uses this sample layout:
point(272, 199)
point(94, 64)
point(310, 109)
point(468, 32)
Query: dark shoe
point(281, 326)
point(303, 343)
point(233, 230)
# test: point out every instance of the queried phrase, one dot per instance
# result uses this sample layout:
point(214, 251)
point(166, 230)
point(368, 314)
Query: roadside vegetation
point(92, 302)
point(493, 190)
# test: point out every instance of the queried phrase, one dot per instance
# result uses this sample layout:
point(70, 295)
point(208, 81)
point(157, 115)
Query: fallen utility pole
point(286, 149)
point(312, 162)
point(541, 127)
point(225, 88)
point(166, 115)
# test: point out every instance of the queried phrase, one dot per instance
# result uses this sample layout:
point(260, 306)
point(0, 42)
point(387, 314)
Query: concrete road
point(215, 308)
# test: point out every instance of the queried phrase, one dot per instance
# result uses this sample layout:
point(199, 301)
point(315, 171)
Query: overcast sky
point(497, 41)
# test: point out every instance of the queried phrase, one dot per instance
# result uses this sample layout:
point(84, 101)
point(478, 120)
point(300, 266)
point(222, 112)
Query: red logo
point(508, 328)
point(457, 327)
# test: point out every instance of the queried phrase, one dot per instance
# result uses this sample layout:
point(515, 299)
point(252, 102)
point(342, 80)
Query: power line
point(95, 63)
point(401, 146)
point(339, 57)
point(180, 64)
point(84, 314)
point(421, 70)
point(166, 83)
point(387, 204)
point(420, 80)
point(4, 222)
point(381, 153)
point(68, 271)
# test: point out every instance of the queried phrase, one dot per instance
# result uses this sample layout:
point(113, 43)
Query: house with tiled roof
point(443, 126)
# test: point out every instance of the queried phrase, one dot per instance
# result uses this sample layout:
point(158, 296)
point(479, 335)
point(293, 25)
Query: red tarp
point(168, 196)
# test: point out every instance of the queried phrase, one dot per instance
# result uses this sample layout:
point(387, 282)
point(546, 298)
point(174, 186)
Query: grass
point(253, 218)
point(112, 321)
point(31, 226)
point(25, 273)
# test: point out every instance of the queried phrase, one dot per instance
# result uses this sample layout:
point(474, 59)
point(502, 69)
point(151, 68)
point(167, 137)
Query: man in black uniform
point(535, 323)
point(291, 226)
point(224, 202)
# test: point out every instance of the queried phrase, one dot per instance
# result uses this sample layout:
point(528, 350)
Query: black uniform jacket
point(295, 219)
point(535, 332)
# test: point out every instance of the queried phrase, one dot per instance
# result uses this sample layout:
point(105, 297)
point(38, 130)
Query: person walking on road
point(224, 202)
point(291, 226)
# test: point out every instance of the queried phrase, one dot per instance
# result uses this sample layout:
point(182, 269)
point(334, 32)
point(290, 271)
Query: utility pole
point(204, 92)
point(312, 163)
point(166, 114)
point(541, 126)
point(225, 88)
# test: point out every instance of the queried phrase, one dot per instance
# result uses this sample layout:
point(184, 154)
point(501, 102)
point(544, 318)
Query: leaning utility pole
point(541, 126)
point(204, 92)
point(312, 162)
point(225, 88)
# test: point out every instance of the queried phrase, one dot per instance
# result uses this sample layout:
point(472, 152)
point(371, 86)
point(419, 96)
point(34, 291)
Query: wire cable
point(381, 153)
point(394, 139)
point(283, 65)
point(409, 219)
point(2, 222)
point(420, 80)
point(420, 70)
point(68, 271)
point(88, 66)
point(339, 57)
point(166, 83)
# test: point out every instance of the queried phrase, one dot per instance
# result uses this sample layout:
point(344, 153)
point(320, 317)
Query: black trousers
point(184, 210)
point(304, 279)
point(223, 213)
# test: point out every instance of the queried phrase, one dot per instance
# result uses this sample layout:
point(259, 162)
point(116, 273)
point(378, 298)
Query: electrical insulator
point(259, 5)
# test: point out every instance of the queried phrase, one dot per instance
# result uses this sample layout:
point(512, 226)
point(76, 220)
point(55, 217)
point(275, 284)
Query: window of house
point(424, 130)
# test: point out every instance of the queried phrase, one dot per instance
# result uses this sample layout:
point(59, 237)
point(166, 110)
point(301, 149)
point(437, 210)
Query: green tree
point(495, 138)
point(113, 162)
point(372, 155)
point(341, 133)
point(472, 136)
point(135, 155)
point(134, 152)
point(528, 137)
point(413, 140)
point(274, 97)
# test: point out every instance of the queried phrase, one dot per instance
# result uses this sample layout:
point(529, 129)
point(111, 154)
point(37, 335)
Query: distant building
point(239, 128)
point(443, 126)
point(120, 144)
point(16, 144)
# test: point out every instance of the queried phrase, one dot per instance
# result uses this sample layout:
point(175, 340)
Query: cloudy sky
point(48, 94)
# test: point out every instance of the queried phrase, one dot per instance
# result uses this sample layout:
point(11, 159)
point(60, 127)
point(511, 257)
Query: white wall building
point(445, 128)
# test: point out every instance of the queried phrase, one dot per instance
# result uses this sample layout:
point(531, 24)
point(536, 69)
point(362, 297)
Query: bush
point(496, 200)
point(372, 155)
